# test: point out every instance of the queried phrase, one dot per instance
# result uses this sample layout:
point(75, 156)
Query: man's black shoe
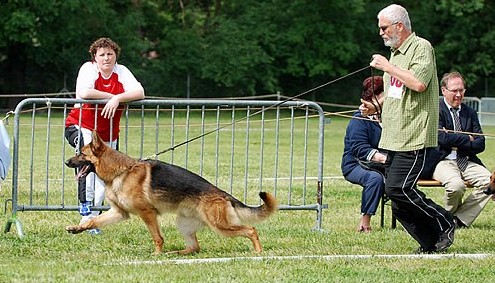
point(445, 240)
point(458, 223)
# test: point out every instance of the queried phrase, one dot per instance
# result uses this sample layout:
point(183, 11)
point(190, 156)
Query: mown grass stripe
point(303, 257)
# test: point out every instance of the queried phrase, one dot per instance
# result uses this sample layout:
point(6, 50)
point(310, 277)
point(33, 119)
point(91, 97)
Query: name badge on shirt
point(396, 88)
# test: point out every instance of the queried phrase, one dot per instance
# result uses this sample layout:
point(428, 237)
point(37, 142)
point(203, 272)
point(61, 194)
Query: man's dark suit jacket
point(470, 123)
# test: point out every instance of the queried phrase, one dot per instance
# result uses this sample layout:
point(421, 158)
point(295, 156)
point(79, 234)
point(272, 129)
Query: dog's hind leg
point(222, 219)
point(241, 231)
point(188, 226)
point(110, 217)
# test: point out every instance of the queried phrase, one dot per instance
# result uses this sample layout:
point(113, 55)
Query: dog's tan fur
point(490, 190)
point(149, 188)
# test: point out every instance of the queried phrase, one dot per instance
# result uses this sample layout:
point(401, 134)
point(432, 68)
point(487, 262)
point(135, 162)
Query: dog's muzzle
point(83, 168)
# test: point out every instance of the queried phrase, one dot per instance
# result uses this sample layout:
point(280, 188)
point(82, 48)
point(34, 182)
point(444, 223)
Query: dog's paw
point(74, 229)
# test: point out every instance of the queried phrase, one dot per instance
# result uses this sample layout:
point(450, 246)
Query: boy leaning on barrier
point(100, 78)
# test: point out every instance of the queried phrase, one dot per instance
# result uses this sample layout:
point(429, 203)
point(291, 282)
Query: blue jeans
point(373, 187)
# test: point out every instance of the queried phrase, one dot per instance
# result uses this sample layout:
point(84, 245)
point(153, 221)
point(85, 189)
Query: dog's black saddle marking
point(177, 182)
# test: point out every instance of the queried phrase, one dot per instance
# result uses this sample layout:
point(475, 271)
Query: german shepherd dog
point(490, 190)
point(149, 188)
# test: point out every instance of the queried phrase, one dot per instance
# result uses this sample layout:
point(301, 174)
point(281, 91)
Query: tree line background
point(234, 48)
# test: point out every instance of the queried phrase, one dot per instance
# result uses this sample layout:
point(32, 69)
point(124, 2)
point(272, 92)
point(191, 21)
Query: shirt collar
point(405, 45)
point(450, 107)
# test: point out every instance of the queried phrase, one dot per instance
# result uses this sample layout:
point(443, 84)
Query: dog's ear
point(97, 144)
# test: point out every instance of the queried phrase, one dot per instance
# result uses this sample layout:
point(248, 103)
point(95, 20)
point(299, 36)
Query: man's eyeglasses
point(384, 28)
point(455, 91)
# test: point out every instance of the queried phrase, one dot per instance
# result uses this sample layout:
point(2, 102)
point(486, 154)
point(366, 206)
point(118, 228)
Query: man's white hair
point(395, 14)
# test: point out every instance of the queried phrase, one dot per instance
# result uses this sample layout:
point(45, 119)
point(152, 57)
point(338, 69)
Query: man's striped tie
point(462, 162)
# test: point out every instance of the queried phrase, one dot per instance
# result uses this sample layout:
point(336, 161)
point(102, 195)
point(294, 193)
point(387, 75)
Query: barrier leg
point(18, 225)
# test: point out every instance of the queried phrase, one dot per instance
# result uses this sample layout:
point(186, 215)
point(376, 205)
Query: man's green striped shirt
point(410, 120)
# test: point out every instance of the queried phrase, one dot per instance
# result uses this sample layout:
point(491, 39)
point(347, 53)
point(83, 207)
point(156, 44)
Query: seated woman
point(362, 163)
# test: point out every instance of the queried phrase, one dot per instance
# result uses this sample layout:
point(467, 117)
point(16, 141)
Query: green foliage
point(467, 44)
point(20, 27)
point(234, 57)
point(232, 48)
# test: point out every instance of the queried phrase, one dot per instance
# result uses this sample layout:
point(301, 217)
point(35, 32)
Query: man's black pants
point(423, 219)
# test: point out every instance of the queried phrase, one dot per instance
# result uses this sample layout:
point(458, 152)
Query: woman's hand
point(110, 107)
point(379, 157)
point(367, 108)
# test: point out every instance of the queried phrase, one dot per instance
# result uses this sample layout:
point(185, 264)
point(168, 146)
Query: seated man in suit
point(460, 139)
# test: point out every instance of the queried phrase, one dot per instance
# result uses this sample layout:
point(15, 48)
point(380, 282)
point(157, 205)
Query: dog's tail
point(255, 214)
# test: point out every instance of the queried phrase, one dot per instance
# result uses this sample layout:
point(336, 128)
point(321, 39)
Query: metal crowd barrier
point(242, 147)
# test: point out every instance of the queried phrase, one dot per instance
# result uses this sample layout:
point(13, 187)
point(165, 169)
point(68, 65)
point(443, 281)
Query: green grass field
point(293, 251)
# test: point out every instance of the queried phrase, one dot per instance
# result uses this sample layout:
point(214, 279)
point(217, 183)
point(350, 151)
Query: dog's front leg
point(150, 218)
point(110, 217)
